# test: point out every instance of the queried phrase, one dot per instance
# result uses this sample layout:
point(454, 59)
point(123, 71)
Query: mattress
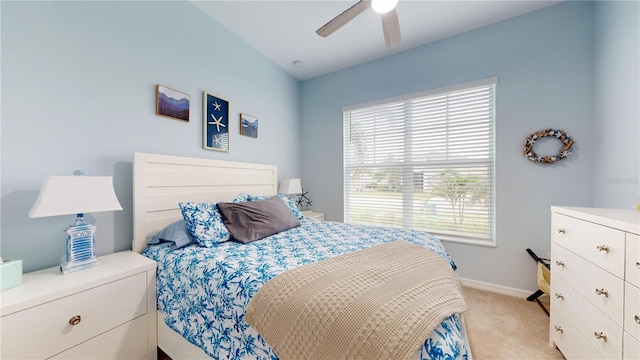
point(203, 292)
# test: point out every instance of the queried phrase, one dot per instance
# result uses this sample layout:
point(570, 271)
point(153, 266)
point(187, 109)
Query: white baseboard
point(500, 289)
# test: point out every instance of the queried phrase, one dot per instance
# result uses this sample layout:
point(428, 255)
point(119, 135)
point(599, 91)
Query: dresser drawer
point(631, 349)
point(45, 330)
point(590, 281)
point(131, 340)
point(632, 270)
point(561, 295)
point(587, 319)
point(569, 340)
point(632, 310)
point(601, 245)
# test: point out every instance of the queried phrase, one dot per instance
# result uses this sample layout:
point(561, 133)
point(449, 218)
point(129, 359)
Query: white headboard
point(160, 182)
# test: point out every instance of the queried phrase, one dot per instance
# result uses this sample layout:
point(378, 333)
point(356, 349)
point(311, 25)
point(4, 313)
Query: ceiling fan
point(386, 8)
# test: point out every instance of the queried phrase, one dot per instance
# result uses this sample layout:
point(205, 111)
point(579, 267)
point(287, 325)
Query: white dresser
point(595, 283)
point(105, 312)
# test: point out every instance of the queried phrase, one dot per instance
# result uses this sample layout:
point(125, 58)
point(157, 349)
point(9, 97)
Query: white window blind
point(424, 161)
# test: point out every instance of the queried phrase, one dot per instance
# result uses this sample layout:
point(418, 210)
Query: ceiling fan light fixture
point(383, 6)
point(388, 14)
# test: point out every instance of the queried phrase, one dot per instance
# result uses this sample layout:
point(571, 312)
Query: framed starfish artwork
point(215, 122)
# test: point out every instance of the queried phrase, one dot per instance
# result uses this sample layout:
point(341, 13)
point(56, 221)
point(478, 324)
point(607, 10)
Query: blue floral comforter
point(202, 292)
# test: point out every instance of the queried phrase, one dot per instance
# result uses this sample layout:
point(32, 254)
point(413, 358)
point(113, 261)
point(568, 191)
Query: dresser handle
point(559, 329)
point(561, 231)
point(75, 320)
point(559, 296)
point(638, 264)
point(560, 263)
point(637, 319)
point(602, 292)
point(604, 248)
point(600, 336)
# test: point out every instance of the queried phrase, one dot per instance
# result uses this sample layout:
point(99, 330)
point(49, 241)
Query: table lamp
point(290, 187)
point(79, 194)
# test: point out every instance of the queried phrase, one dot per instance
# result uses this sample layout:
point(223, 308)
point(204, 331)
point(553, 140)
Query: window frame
point(408, 207)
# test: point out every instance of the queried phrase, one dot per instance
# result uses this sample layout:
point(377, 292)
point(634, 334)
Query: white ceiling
point(284, 31)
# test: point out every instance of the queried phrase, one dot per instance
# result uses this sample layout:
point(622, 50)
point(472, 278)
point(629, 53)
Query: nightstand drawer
point(131, 340)
point(46, 330)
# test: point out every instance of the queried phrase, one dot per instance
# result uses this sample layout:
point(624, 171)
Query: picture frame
point(248, 125)
point(172, 103)
point(215, 122)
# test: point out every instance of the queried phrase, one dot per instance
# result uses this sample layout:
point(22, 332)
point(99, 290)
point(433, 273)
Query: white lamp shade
point(383, 6)
point(290, 187)
point(65, 195)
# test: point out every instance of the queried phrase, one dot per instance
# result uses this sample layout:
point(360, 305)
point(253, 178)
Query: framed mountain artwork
point(172, 103)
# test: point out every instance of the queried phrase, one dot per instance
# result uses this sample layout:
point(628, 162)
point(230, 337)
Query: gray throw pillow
point(254, 220)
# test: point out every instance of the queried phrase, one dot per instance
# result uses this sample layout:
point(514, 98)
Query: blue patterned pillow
point(241, 198)
point(289, 203)
point(204, 223)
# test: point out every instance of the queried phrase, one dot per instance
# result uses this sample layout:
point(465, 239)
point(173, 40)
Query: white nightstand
point(313, 215)
point(108, 311)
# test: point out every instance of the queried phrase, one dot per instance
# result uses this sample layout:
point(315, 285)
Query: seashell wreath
point(567, 146)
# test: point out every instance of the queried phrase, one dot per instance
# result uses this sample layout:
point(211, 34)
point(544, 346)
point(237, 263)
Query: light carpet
point(506, 327)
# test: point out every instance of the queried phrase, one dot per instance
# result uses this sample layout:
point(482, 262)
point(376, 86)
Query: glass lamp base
point(69, 267)
point(80, 248)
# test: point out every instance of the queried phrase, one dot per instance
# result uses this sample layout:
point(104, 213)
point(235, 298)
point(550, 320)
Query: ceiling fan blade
point(391, 29)
point(346, 16)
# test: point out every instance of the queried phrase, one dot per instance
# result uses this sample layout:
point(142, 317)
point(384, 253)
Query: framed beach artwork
point(216, 122)
point(248, 125)
point(172, 103)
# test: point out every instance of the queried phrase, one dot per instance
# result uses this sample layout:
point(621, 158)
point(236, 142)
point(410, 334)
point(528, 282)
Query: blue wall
point(79, 91)
point(78, 81)
point(617, 104)
point(544, 64)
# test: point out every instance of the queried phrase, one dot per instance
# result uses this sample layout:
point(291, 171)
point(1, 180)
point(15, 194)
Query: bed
point(202, 292)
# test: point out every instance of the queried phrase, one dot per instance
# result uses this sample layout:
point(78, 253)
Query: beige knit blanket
point(378, 303)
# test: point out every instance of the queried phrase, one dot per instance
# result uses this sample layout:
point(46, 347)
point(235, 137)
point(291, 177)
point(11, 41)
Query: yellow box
point(10, 274)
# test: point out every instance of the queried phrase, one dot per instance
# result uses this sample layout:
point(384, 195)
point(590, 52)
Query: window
point(424, 161)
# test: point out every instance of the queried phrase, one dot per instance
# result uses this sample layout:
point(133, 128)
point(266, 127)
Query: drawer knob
point(604, 248)
point(559, 296)
point(600, 336)
point(559, 329)
point(75, 320)
point(561, 231)
point(637, 319)
point(603, 292)
point(560, 263)
point(638, 264)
